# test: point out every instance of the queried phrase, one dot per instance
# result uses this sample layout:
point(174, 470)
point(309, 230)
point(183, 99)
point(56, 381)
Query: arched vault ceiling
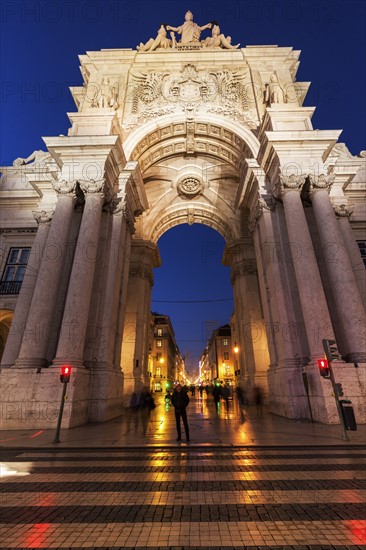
point(192, 138)
point(178, 154)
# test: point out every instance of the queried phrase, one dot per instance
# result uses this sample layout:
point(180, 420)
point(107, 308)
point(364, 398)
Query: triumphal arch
point(184, 129)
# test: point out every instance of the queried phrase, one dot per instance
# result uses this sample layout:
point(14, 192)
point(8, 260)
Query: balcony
point(10, 287)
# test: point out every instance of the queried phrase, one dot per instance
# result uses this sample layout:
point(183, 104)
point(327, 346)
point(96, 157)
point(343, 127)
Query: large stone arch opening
point(192, 173)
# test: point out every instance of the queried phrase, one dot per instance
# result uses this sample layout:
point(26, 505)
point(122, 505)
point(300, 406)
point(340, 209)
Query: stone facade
point(183, 133)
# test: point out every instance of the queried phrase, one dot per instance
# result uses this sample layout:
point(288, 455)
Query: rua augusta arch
point(183, 131)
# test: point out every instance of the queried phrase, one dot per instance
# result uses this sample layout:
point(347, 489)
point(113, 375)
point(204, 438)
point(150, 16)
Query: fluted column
point(33, 350)
point(345, 291)
point(71, 342)
point(317, 323)
point(343, 213)
point(24, 300)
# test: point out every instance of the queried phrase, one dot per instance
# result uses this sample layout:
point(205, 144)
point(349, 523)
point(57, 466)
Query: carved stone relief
point(190, 91)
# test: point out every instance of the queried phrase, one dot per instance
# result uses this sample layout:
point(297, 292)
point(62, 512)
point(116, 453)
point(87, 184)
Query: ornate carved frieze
point(43, 216)
point(191, 91)
point(288, 183)
point(192, 215)
point(343, 210)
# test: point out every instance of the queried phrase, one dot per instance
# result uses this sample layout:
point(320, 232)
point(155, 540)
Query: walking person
point(217, 392)
point(180, 402)
point(146, 405)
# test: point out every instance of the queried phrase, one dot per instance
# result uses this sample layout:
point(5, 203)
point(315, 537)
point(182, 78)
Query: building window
point(158, 343)
point(158, 371)
point(226, 355)
point(160, 332)
point(14, 270)
point(226, 342)
point(362, 247)
point(228, 370)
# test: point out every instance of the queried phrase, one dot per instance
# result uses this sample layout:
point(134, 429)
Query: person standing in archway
point(180, 402)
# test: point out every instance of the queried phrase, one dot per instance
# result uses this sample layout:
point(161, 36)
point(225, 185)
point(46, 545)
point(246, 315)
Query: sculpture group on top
point(190, 34)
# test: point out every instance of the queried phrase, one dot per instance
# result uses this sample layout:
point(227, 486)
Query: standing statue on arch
point(189, 30)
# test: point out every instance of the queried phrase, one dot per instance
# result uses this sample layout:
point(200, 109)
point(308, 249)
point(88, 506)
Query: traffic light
point(65, 373)
point(331, 350)
point(324, 368)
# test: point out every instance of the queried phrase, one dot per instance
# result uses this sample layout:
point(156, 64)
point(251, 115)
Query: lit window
point(14, 270)
point(158, 371)
point(158, 343)
point(160, 332)
point(228, 370)
point(226, 342)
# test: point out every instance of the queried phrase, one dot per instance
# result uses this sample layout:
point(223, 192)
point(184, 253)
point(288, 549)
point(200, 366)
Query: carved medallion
point(190, 186)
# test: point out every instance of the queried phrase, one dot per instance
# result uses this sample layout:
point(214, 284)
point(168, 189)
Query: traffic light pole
point(59, 420)
point(336, 397)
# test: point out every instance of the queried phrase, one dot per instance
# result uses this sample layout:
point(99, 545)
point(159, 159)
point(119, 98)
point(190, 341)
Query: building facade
point(219, 360)
point(179, 132)
point(165, 354)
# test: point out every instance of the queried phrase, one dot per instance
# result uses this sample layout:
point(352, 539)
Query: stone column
point(287, 395)
point(351, 313)
point(253, 339)
point(16, 332)
point(73, 329)
point(33, 350)
point(343, 214)
point(317, 323)
point(144, 256)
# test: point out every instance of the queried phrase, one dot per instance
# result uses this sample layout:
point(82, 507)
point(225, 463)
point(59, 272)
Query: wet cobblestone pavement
point(156, 495)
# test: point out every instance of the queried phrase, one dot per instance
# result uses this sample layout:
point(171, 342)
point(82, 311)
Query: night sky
point(40, 44)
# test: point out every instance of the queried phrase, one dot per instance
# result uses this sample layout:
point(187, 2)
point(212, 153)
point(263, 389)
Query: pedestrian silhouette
point(180, 402)
point(258, 399)
point(146, 405)
point(242, 402)
point(217, 392)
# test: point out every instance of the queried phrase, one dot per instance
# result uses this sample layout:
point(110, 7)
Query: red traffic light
point(324, 367)
point(65, 373)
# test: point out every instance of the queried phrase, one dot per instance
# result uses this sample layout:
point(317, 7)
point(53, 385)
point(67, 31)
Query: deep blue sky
point(40, 42)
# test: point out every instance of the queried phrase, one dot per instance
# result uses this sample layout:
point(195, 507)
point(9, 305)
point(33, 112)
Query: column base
point(106, 392)
point(31, 363)
point(31, 399)
point(287, 393)
point(322, 400)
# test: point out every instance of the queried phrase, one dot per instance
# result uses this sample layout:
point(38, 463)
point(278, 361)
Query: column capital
point(143, 272)
point(343, 210)
point(120, 206)
point(260, 206)
point(92, 187)
point(321, 181)
point(64, 187)
point(248, 266)
point(285, 183)
point(43, 216)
